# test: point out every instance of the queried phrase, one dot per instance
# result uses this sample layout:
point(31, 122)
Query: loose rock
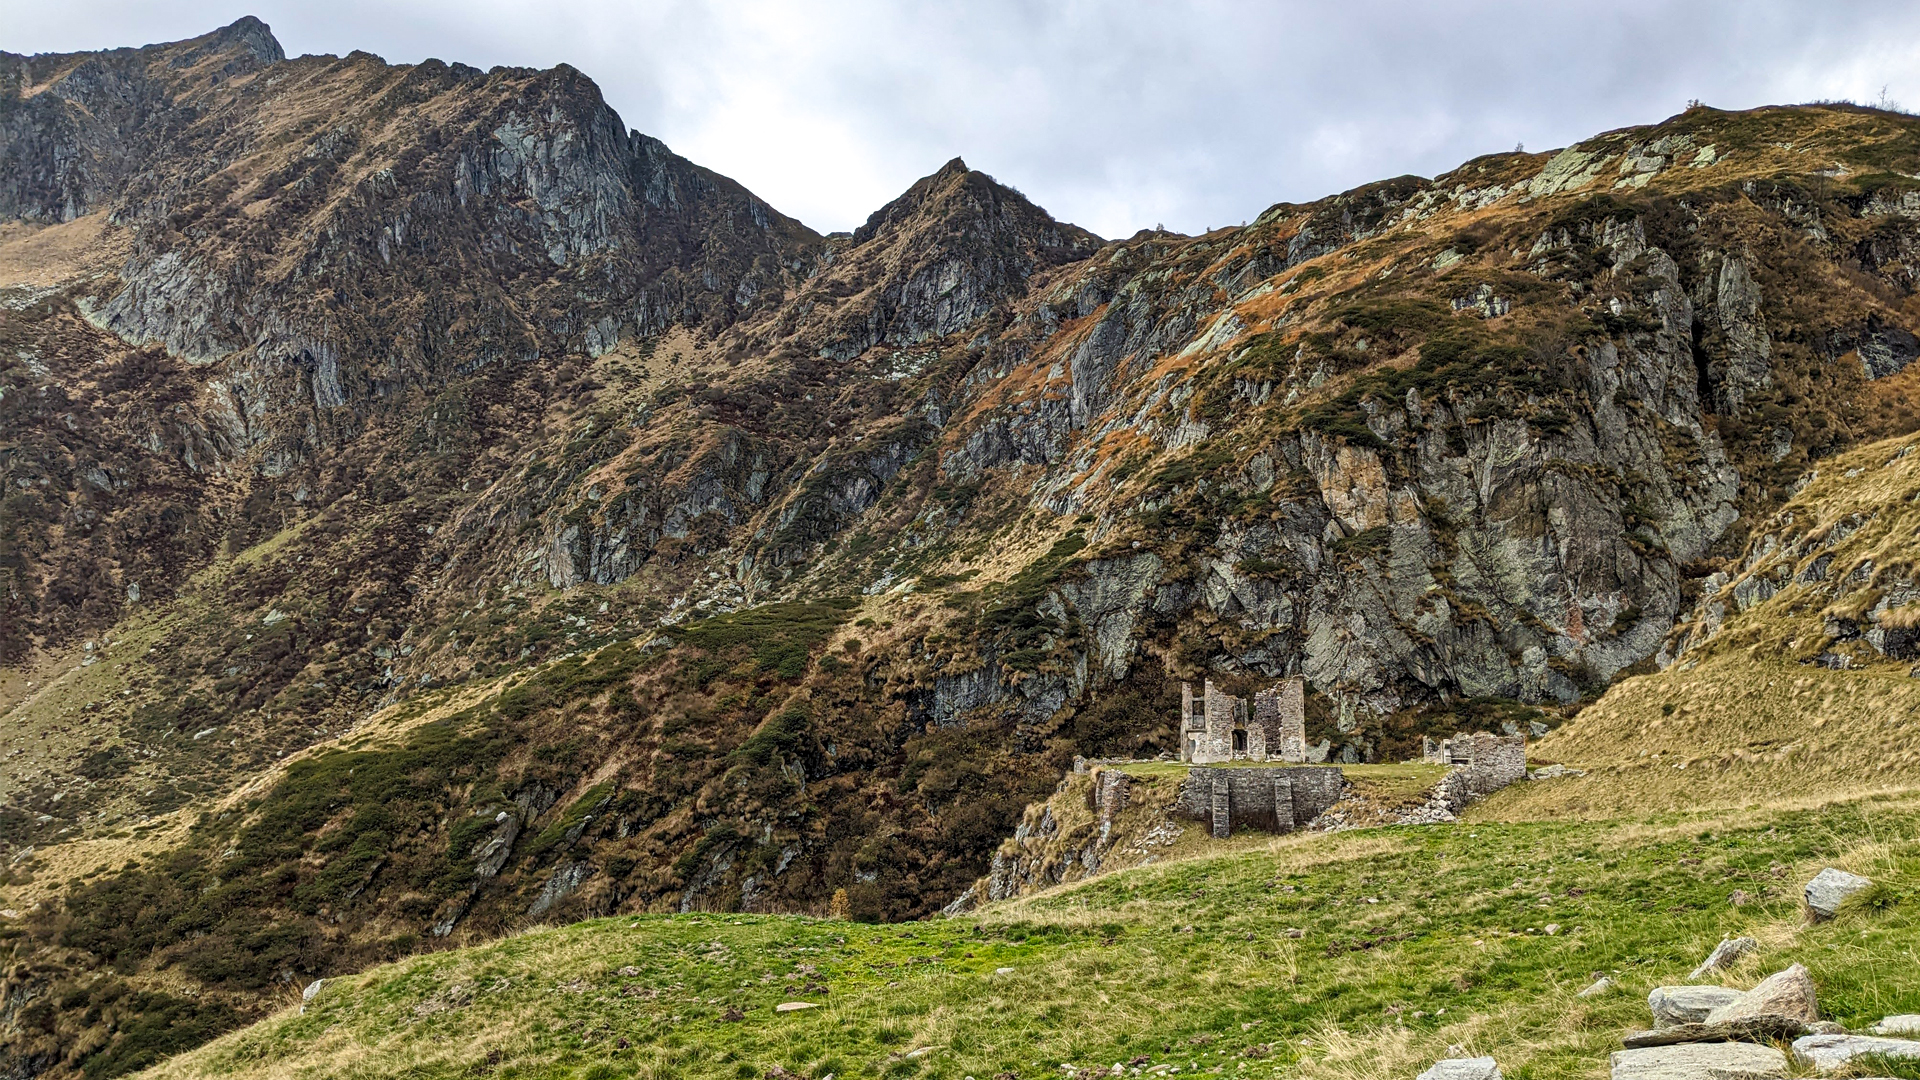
point(1787, 994)
point(1829, 889)
point(1904, 1024)
point(1724, 955)
point(1754, 1029)
point(1700, 1061)
point(1686, 1004)
point(1479, 1068)
point(1600, 986)
point(1827, 1053)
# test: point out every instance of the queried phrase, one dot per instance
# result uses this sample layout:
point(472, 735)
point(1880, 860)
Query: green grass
point(1407, 778)
point(1409, 940)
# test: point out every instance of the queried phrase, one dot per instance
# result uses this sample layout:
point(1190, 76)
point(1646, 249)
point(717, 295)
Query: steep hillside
point(431, 506)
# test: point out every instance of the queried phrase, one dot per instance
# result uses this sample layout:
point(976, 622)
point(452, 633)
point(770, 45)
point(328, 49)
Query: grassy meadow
point(1360, 954)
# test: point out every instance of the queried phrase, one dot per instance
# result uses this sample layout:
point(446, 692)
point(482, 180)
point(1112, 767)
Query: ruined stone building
point(1486, 762)
point(1223, 728)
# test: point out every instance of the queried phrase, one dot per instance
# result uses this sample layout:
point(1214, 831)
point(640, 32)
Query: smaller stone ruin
point(1273, 800)
point(1478, 763)
point(1224, 729)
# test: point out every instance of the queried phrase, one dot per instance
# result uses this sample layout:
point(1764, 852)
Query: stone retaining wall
point(1278, 799)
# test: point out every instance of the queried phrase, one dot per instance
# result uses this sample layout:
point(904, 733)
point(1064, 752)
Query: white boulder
point(1904, 1024)
point(1724, 955)
point(1828, 1053)
point(1786, 994)
point(1686, 1004)
point(1829, 889)
point(1479, 1068)
point(1700, 1061)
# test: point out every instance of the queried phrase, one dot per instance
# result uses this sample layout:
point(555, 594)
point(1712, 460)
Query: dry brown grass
point(46, 256)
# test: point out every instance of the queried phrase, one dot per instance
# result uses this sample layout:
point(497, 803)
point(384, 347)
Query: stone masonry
point(1109, 794)
point(1272, 800)
point(1224, 729)
point(1282, 712)
point(1478, 763)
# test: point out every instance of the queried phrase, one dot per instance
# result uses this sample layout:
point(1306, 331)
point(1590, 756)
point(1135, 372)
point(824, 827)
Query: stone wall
point(1223, 728)
point(1109, 794)
point(1281, 714)
point(1479, 763)
point(1272, 800)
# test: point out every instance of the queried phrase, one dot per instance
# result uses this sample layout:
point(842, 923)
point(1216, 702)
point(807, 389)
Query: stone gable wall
point(1281, 715)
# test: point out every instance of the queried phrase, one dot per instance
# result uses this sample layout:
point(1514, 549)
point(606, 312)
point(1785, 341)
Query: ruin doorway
point(1240, 743)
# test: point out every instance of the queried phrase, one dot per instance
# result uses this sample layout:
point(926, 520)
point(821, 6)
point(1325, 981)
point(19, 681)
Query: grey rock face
point(1673, 1005)
point(1700, 1061)
point(1480, 1068)
point(566, 878)
point(1724, 955)
point(1829, 889)
point(492, 855)
point(1746, 365)
point(1829, 1053)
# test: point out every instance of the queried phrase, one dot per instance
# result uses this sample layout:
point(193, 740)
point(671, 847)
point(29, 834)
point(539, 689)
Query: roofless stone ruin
point(1224, 729)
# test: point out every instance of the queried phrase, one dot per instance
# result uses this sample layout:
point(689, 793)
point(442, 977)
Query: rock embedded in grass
point(794, 1006)
point(1788, 994)
point(1753, 1029)
point(1478, 1068)
point(1829, 889)
point(1724, 956)
point(1829, 1053)
point(1673, 1005)
point(1598, 987)
point(1903, 1024)
point(1700, 1061)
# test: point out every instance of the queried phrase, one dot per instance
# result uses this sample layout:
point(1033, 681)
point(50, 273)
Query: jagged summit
point(953, 246)
point(250, 33)
point(954, 193)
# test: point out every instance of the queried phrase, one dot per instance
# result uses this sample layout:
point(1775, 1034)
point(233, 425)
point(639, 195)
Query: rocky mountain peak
point(954, 193)
point(947, 251)
point(249, 33)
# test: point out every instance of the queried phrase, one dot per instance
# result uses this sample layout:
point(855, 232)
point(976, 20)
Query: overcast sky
point(1117, 115)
